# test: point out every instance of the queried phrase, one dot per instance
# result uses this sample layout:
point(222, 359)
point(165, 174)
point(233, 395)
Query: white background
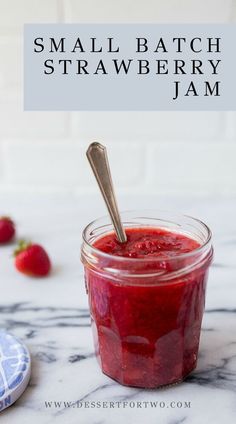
point(160, 152)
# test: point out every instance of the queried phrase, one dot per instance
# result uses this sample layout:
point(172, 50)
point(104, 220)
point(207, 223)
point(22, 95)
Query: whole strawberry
point(7, 229)
point(32, 259)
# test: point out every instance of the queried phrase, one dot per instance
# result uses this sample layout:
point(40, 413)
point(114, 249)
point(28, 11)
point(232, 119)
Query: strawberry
point(7, 229)
point(32, 259)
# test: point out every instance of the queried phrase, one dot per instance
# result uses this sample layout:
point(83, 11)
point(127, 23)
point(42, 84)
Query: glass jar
point(146, 313)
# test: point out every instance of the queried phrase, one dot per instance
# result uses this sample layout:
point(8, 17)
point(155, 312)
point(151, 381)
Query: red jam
point(147, 326)
point(147, 242)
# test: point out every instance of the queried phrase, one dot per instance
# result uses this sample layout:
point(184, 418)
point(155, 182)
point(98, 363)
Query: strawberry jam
point(147, 300)
point(147, 242)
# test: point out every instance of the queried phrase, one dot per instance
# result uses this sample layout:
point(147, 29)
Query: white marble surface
point(51, 316)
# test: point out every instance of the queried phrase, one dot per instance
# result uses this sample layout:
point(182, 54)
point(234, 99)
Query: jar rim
point(160, 258)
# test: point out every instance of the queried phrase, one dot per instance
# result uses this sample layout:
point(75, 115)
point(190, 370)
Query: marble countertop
point(51, 316)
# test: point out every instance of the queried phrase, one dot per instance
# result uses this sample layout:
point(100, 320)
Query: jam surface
point(147, 242)
point(146, 333)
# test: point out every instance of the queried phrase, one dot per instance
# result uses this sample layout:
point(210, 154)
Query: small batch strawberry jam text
point(149, 57)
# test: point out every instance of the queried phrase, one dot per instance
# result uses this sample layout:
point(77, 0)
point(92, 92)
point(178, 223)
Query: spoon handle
point(97, 156)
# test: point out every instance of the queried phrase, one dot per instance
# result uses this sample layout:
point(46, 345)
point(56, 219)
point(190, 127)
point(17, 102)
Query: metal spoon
point(97, 156)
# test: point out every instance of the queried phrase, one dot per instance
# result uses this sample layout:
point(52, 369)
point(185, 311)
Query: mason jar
point(146, 313)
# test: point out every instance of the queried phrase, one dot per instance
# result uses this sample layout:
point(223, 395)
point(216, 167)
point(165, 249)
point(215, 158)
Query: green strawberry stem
point(22, 245)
